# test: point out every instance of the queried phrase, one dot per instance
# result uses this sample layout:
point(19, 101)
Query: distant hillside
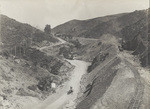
point(77, 27)
point(14, 33)
point(95, 28)
point(136, 37)
point(132, 28)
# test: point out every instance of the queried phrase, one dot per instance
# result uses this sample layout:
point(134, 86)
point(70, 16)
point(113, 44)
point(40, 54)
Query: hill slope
point(131, 28)
point(14, 33)
point(26, 73)
point(118, 49)
point(95, 28)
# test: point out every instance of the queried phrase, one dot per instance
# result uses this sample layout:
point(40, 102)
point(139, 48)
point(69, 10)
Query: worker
point(70, 91)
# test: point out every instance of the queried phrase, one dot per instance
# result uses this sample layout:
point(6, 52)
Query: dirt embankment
point(14, 82)
point(21, 83)
point(114, 81)
point(97, 83)
point(120, 83)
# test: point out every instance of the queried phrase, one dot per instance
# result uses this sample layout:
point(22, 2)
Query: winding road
point(60, 100)
point(61, 41)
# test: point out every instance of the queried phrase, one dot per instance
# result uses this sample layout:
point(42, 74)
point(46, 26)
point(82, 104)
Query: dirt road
point(137, 99)
point(60, 100)
point(61, 41)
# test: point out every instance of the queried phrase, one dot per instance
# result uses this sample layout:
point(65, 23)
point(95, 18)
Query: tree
point(47, 29)
point(76, 43)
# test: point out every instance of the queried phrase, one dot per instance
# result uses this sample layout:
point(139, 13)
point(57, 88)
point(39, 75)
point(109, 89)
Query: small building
point(53, 85)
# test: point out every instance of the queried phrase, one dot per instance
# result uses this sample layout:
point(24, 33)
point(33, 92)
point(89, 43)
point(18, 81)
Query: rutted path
point(137, 99)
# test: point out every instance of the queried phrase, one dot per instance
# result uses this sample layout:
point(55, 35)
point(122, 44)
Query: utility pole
point(15, 50)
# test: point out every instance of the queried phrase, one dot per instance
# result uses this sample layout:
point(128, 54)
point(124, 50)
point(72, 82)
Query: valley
point(103, 61)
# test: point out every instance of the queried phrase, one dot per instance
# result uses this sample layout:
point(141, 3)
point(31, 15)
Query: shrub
point(44, 84)
point(33, 87)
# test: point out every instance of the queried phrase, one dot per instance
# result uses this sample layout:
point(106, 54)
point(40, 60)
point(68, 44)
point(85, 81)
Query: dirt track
point(60, 99)
point(59, 43)
point(137, 99)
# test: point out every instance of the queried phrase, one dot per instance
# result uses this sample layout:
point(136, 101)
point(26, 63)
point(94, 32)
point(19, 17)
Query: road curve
point(61, 41)
point(60, 99)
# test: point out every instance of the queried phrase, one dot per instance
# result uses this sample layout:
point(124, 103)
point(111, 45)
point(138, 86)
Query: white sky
point(54, 12)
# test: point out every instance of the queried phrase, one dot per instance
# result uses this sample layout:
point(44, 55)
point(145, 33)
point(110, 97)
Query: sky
point(38, 13)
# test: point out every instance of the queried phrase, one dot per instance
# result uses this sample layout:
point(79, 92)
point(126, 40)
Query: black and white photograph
point(74, 54)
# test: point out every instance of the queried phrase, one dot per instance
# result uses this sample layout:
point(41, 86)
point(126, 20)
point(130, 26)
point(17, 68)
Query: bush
point(56, 67)
point(76, 43)
point(66, 52)
point(33, 87)
point(44, 84)
point(5, 54)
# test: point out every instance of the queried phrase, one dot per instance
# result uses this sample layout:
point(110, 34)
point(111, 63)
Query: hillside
point(74, 28)
point(114, 80)
point(118, 49)
point(14, 33)
point(21, 40)
point(131, 28)
point(26, 72)
point(94, 28)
